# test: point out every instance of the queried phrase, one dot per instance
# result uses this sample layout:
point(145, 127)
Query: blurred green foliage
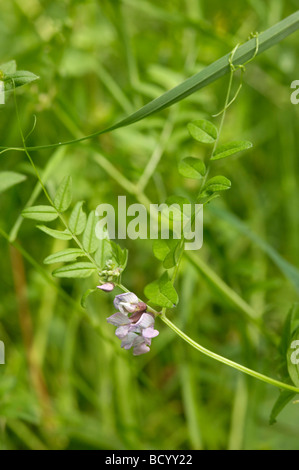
point(67, 386)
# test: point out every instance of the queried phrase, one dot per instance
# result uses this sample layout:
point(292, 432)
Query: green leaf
point(191, 167)
point(9, 179)
point(167, 251)
point(162, 292)
point(66, 235)
point(70, 254)
point(103, 253)
point(8, 67)
point(208, 75)
point(161, 249)
point(90, 241)
point(17, 79)
point(205, 198)
point(290, 325)
point(203, 131)
point(49, 168)
point(231, 148)
point(120, 256)
point(217, 183)
point(63, 196)
point(293, 357)
point(75, 270)
point(173, 256)
point(213, 72)
point(41, 213)
point(124, 258)
point(77, 222)
point(283, 399)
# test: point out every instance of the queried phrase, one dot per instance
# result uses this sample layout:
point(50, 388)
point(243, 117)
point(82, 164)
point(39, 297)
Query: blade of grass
point(211, 73)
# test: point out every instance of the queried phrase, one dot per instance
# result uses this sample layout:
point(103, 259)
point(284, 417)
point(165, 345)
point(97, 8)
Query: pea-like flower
point(106, 287)
point(136, 330)
point(129, 303)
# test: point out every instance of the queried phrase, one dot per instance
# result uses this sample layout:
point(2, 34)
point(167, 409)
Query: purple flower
point(137, 330)
point(107, 287)
point(128, 303)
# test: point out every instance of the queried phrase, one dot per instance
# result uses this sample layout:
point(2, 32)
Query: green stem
point(217, 357)
point(66, 297)
point(224, 360)
point(224, 110)
point(213, 72)
point(52, 163)
point(208, 273)
point(75, 238)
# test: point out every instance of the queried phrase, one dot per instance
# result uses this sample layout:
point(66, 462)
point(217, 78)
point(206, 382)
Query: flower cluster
point(137, 330)
point(111, 272)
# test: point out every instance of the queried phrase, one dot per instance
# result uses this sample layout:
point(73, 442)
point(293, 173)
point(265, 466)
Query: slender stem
point(52, 163)
point(214, 71)
point(75, 238)
point(220, 285)
point(66, 297)
point(224, 110)
point(180, 333)
point(215, 356)
point(204, 179)
point(226, 361)
point(177, 266)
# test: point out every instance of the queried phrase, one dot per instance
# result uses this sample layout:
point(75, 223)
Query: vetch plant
point(104, 261)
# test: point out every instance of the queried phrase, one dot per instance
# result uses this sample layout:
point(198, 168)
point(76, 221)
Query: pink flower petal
point(140, 349)
point(150, 332)
point(107, 287)
point(122, 331)
point(118, 319)
point(127, 298)
point(146, 320)
point(129, 340)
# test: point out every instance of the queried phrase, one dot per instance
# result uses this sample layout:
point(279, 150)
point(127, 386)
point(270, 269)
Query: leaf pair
point(47, 213)
point(167, 251)
point(194, 168)
point(103, 249)
point(211, 187)
point(78, 224)
point(207, 133)
point(14, 78)
point(62, 201)
point(162, 292)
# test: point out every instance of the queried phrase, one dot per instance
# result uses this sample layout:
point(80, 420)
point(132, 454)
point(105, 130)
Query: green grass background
point(65, 386)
